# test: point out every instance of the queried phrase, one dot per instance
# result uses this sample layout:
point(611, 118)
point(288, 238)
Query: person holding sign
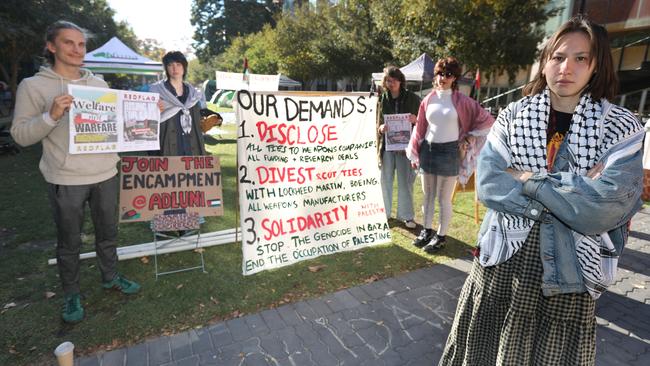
point(561, 175)
point(41, 115)
point(448, 135)
point(396, 100)
point(180, 127)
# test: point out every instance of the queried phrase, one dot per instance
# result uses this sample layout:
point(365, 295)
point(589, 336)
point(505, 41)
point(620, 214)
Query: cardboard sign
point(309, 182)
point(151, 185)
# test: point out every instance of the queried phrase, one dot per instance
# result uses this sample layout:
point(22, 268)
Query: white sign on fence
point(239, 81)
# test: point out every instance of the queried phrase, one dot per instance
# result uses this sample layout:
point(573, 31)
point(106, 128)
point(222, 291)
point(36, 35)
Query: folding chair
point(187, 225)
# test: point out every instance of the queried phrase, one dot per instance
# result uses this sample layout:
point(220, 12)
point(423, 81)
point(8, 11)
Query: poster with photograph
point(108, 120)
point(398, 131)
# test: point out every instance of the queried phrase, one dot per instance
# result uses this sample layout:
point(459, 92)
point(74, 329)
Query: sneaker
point(424, 237)
point(410, 224)
point(122, 284)
point(436, 243)
point(73, 312)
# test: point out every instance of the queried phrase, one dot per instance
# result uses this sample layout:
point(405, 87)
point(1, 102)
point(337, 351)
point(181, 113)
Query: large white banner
point(309, 184)
point(106, 120)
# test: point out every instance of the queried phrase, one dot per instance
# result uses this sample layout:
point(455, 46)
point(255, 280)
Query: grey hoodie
point(33, 98)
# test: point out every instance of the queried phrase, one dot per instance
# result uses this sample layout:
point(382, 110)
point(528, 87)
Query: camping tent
point(114, 57)
point(420, 69)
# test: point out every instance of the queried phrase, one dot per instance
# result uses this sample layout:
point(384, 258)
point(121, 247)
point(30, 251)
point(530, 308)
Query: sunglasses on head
point(446, 75)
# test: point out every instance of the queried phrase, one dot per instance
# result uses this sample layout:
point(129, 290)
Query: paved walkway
point(397, 321)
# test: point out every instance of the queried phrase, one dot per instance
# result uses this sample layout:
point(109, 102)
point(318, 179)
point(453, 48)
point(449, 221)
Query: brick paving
point(397, 321)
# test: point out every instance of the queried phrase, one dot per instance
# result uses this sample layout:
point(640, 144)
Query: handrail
point(630, 44)
point(502, 94)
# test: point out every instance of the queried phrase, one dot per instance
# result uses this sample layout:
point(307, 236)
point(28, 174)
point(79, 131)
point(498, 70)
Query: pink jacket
point(472, 120)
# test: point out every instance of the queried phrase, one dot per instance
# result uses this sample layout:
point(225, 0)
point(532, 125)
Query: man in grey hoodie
point(41, 114)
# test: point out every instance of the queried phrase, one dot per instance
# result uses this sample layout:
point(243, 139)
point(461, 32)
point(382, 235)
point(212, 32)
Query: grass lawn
point(32, 328)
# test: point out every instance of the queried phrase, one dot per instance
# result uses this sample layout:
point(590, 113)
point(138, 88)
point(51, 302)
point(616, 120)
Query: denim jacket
point(563, 202)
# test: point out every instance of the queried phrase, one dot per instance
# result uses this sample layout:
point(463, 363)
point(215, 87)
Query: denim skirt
point(440, 158)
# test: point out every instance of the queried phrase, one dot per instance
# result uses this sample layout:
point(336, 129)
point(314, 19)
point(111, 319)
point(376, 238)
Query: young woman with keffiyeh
point(561, 176)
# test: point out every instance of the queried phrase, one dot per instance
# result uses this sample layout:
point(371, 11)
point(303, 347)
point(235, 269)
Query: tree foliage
point(352, 38)
point(356, 45)
point(260, 50)
point(493, 35)
point(218, 22)
point(314, 42)
point(300, 40)
point(23, 24)
point(151, 48)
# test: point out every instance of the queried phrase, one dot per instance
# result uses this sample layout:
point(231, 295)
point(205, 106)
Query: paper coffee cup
point(64, 353)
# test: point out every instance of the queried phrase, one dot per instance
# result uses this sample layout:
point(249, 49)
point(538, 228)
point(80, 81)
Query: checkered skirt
point(503, 319)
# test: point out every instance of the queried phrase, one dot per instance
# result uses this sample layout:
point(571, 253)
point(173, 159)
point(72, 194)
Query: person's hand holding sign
point(60, 105)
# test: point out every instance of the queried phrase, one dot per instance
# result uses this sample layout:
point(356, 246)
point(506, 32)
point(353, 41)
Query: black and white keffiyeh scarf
point(171, 104)
point(520, 138)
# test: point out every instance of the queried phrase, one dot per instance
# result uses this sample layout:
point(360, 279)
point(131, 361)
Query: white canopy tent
point(114, 57)
point(290, 84)
point(420, 69)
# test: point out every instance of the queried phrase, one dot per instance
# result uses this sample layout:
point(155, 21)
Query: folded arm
point(593, 203)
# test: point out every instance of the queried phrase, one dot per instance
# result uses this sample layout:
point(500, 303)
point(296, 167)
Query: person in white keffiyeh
point(561, 177)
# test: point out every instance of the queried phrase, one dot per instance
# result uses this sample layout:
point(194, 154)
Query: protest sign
point(309, 182)
point(107, 120)
point(151, 185)
point(398, 131)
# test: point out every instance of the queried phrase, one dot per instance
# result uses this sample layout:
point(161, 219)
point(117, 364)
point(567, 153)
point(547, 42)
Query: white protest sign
point(256, 82)
point(309, 184)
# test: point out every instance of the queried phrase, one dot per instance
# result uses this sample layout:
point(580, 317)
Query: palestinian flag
point(245, 72)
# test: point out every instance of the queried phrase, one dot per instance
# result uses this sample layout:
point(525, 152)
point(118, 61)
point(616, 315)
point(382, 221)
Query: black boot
point(436, 243)
point(424, 237)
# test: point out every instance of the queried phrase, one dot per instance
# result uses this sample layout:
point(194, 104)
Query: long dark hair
point(174, 56)
point(604, 82)
point(53, 31)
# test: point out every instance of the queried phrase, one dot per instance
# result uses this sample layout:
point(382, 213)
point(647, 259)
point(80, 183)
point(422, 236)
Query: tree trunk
point(14, 61)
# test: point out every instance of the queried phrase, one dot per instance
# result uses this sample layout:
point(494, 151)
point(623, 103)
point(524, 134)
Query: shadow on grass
point(176, 302)
point(211, 140)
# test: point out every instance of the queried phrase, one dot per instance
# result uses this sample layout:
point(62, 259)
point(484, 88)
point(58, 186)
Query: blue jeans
point(397, 161)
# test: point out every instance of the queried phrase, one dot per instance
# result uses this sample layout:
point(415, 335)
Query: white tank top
point(442, 118)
